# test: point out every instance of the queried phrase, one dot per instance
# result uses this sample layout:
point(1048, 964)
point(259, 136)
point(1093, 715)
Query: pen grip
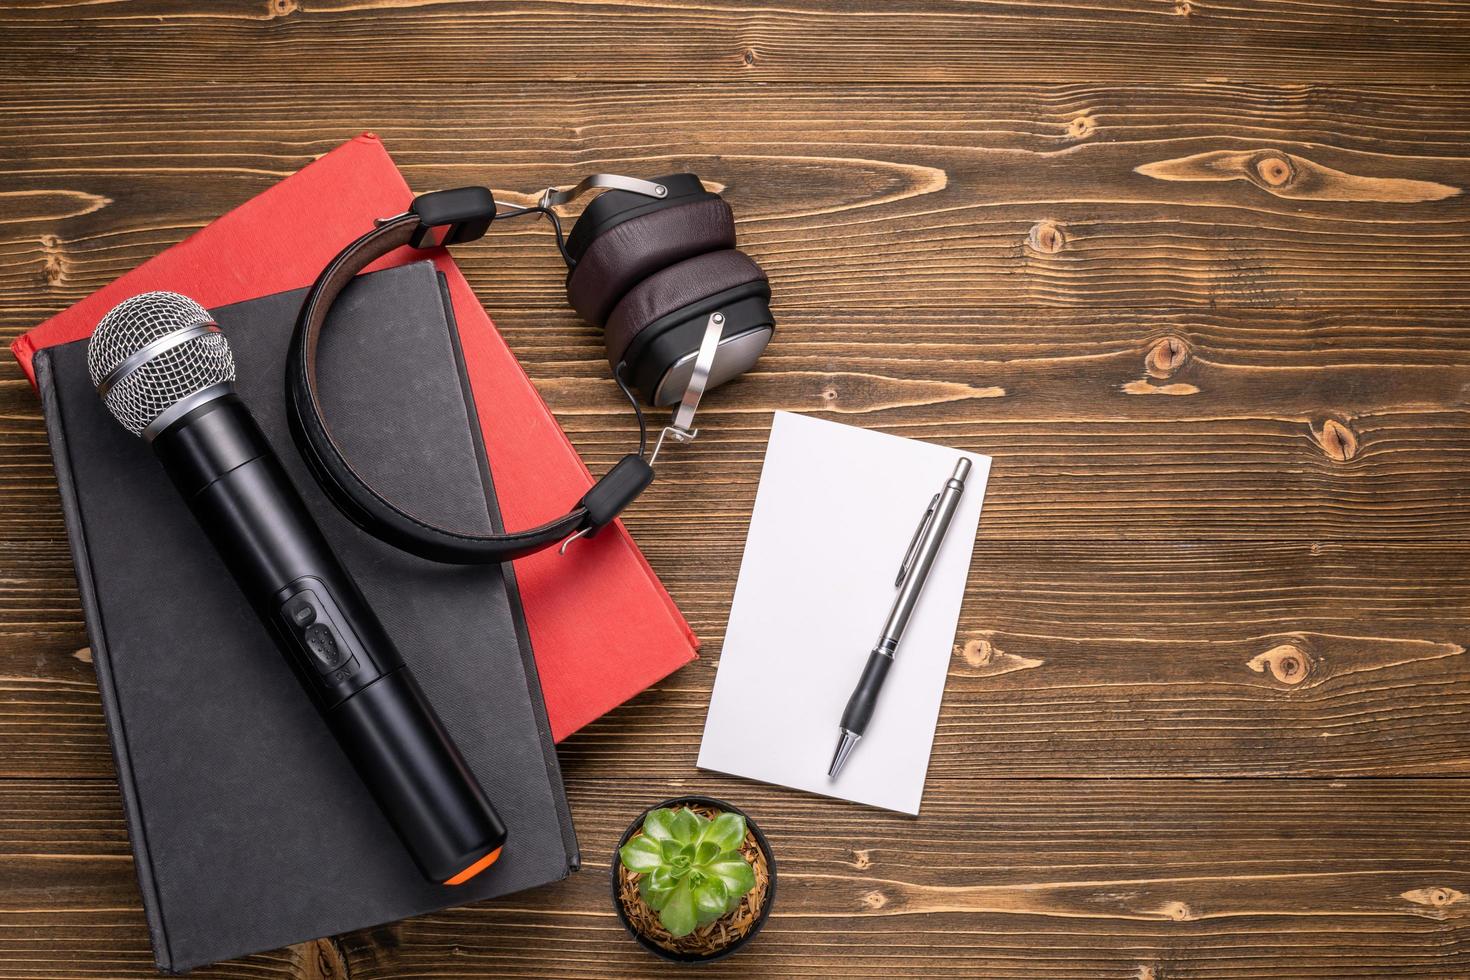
point(859, 710)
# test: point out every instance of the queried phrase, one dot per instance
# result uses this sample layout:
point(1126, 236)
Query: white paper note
point(834, 514)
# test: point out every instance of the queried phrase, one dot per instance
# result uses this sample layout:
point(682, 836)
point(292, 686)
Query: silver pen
point(912, 575)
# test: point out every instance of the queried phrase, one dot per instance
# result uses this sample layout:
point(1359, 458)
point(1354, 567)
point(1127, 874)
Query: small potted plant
point(693, 879)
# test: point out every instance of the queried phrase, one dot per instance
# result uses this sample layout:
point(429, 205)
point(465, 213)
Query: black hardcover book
point(250, 829)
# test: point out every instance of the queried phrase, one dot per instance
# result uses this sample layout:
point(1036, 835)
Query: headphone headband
point(440, 218)
point(653, 262)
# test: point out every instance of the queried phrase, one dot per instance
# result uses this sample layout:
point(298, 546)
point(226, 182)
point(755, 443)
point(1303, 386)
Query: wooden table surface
point(1194, 273)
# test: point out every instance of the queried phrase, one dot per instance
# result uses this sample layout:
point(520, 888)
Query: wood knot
point(53, 261)
point(829, 394)
point(862, 860)
point(1275, 170)
point(1295, 177)
point(1337, 440)
point(1287, 663)
point(1166, 357)
point(1437, 897)
point(979, 652)
point(1182, 8)
point(1046, 237)
point(1178, 911)
point(874, 900)
point(281, 8)
point(1081, 127)
point(1150, 971)
point(749, 56)
point(984, 659)
point(319, 959)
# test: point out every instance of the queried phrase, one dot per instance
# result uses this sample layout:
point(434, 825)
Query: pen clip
point(908, 556)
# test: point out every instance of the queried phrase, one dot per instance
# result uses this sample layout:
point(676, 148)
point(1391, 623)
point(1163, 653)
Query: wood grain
point(1137, 425)
point(735, 41)
point(854, 201)
point(1160, 659)
point(998, 878)
point(1195, 273)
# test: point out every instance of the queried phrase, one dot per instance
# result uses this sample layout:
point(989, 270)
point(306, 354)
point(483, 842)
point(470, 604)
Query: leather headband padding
point(352, 494)
point(630, 252)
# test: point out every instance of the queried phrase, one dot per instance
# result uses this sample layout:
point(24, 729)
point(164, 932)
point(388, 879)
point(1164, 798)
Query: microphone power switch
point(329, 649)
point(326, 652)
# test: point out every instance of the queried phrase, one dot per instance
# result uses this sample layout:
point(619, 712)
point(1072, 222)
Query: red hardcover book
point(602, 626)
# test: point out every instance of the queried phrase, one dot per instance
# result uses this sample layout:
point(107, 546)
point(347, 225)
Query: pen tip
point(845, 743)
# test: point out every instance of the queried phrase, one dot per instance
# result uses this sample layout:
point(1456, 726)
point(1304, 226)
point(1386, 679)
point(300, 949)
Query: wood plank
point(1217, 196)
point(1212, 330)
point(1072, 659)
point(1160, 659)
point(1000, 878)
point(736, 40)
point(1134, 425)
point(1112, 425)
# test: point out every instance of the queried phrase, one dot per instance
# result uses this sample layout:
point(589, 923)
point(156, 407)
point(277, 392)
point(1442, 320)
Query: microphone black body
point(241, 495)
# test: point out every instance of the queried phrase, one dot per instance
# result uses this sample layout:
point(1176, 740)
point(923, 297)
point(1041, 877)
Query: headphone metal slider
point(673, 433)
point(681, 429)
point(551, 197)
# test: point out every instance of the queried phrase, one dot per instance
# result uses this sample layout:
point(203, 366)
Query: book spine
point(513, 592)
point(102, 662)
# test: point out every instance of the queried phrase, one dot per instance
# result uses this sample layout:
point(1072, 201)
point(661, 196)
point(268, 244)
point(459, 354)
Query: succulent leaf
point(656, 889)
point(732, 902)
point(726, 831)
point(734, 871)
point(678, 915)
point(710, 900)
point(641, 854)
point(663, 877)
point(687, 826)
point(659, 824)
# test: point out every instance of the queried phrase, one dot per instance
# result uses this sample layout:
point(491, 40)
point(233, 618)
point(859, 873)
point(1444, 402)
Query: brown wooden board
point(1074, 659)
point(737, 41)
point(876, 199)
point(1112, 425)
point(1003, 878)
point(1194, 273)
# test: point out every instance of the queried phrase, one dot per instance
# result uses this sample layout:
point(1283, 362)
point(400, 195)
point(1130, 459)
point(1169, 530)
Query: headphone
point(653, 263)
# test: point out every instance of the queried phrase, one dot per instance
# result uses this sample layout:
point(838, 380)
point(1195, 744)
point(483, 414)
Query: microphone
point(165, 372)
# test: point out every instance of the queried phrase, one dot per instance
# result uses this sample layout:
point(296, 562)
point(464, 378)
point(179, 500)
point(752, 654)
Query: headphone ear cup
point(658, 326)
point(675, 288)
point(633, 251)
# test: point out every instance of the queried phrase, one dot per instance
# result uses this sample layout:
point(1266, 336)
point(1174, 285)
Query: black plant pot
point(765, 912)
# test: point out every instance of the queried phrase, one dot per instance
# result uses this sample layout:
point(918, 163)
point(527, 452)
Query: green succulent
point(693, 871)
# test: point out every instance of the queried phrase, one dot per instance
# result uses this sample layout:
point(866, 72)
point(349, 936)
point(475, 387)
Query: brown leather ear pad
point(672, 288)
point(633, 250)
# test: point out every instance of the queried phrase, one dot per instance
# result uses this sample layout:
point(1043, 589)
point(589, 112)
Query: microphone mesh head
point(172, 373)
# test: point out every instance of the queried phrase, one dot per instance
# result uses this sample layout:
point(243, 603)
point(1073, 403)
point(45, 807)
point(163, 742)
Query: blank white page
point(834, 514)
